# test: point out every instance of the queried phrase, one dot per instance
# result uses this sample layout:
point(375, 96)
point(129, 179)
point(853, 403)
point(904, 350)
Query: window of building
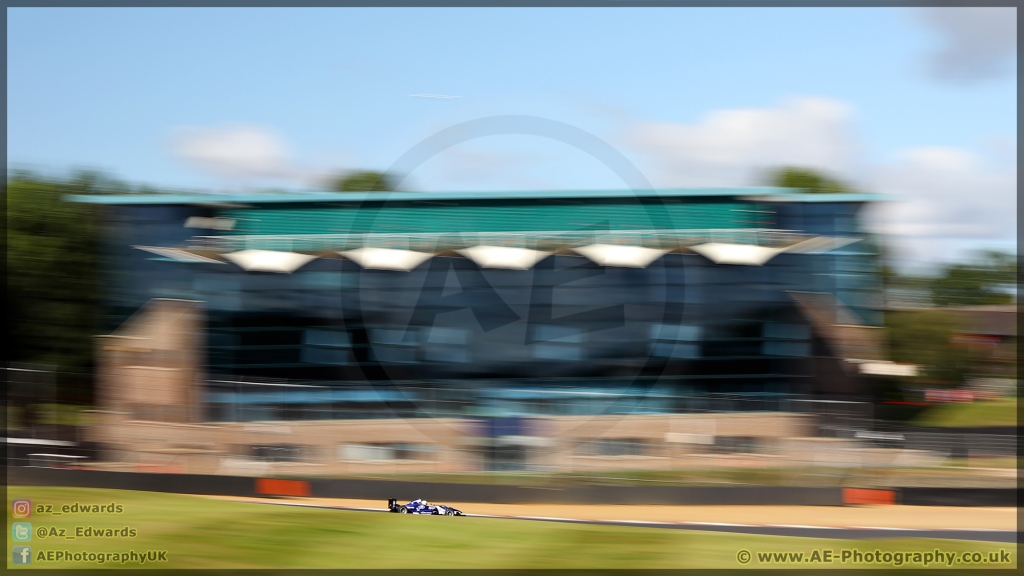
point(256, 413)
point(394, 346)
point(319, 280)
point(406, 451)
point(330, 356)
point(787, 331)
point(215, 284)
point(218, 339)
point(557, 342)
point(277, 453)
point(329, 338)
point(446, 345)
point(782, 348)
point(675, 341)
point(365, 452)
point(786, 339)
point(322, 346)
point(385, 452)
point(737, 444)
point(616, 447)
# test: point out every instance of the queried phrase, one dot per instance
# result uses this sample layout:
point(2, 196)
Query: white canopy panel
point(503, 257)
point(820, 244)
point(620, 256)
point(742, 254)
point(269, 260)
point(177, 254)
point(753, 255)
point(386, 258)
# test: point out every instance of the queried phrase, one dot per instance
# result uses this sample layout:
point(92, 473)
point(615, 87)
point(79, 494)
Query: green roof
point(762, 193)
point(498, 217)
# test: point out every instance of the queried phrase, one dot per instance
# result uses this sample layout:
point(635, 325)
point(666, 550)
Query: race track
point(977, 524)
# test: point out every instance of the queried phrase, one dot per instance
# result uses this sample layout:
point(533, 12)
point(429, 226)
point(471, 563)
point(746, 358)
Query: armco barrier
point(1003, 497)
point(486, 493)
point(147, 482)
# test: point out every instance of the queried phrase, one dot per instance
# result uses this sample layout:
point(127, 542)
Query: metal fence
point(843, 445)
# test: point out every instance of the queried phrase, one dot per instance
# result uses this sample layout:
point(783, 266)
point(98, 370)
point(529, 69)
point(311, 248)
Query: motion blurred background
point(817, 289)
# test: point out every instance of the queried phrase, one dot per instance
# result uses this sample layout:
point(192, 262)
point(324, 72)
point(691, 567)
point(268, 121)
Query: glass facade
point(849, 273)
point(451, 338)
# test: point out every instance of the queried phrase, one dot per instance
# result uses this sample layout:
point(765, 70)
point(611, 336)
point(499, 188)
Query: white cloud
point(947, 199)
point(977, 43)
point(734, 147)
point(236, 152)
point(944, 199)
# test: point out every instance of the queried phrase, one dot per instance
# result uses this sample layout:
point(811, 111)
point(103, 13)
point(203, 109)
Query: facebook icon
point(21, 554)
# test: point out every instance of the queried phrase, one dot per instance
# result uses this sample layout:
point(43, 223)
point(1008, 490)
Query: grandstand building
point(495, 306)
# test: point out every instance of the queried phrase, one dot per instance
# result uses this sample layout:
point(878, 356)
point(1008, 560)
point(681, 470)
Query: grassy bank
point(971, 415)
point(202, 533)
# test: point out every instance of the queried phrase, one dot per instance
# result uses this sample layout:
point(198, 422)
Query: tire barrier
point(275, 487)
point(994, 497)
point(497, 494)
point(868, 497)
point(141, 481)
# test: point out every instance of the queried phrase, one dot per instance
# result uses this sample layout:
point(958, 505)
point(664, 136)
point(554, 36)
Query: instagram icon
point(21, 508)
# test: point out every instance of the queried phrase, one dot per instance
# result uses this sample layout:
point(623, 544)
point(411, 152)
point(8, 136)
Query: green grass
point(204, 533)
point(971, 415)
point(52, 414)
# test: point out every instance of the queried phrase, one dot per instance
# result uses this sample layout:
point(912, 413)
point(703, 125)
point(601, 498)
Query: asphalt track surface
point(1003, 536)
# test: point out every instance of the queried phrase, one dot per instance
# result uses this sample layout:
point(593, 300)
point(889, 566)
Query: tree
point(364, 181)
point(983, 281)
point(922, 337)
point(52, 258)
point(806, 179)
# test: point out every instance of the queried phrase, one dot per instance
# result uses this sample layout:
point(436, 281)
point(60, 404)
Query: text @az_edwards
point(85, 532)
point(78, 508)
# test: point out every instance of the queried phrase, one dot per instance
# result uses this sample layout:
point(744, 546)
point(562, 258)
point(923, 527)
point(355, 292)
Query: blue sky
point(229, 99)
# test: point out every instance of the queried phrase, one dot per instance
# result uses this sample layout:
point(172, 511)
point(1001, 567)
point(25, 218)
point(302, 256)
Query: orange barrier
point(867, 497)
point(272, 487)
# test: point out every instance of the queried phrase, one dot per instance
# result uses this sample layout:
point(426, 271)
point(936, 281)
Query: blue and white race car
point(420, 506)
